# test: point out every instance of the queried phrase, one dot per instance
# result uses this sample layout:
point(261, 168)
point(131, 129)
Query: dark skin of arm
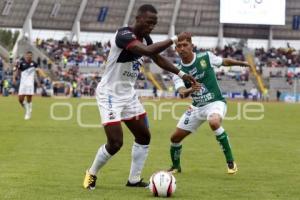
point(153, 51)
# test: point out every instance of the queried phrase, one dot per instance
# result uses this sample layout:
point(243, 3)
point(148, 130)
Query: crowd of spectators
point(72, 53)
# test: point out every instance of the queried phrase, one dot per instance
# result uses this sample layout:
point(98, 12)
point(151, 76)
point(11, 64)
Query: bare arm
point(165, 64)
point(139, 48)
point(232, 62)
point(40, 73)
point(15, 74)
point(155, 48)
point(185, 92)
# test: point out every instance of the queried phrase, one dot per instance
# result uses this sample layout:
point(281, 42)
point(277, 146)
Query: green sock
point(175, 152)
point(224, 143)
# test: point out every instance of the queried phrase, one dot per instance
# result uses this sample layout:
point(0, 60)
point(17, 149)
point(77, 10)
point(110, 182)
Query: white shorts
point(26, 89)
point(113, 110)
point(195, 116)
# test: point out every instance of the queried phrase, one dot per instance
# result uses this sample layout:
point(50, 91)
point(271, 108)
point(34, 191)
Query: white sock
point(25, 104)
point(219, 131)
point(175, 144)
point(139, 154)
point(29, 107)
point(101, 158)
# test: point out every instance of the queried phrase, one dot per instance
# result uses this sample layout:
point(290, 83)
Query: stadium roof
point(200, 17)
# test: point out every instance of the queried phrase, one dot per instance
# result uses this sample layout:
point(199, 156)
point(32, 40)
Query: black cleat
point(138, 184)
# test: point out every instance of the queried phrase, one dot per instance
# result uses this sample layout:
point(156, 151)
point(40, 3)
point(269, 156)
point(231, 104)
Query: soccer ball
point(162, 184)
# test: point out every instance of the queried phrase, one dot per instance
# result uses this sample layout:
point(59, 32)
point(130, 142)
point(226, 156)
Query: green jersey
point(201, 68)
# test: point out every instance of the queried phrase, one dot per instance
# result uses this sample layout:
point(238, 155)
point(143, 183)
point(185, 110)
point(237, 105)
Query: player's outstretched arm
point(184, 92)
point(232, 62)
point(16, 72)
point(165, 64)
point(41, 73)
point(139, 48)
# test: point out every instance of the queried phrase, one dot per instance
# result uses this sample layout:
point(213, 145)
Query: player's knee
point(143, 139)
point(21, 100)
point(175, 139)
point(114, 147)
point(214, 123)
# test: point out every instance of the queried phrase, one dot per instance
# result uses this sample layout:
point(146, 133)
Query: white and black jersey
point(27, 70)
point(122, 67)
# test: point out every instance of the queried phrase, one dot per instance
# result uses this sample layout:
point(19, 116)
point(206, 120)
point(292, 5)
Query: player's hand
point(196, 87)
point(184, 35)
point(245, 64)
point(189, 78)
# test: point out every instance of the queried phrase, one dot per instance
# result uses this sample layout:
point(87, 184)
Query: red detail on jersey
point(140, 116)
point(112, 123)
point(131, 43)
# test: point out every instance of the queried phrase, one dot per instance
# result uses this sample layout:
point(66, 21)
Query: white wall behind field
point(202, 42)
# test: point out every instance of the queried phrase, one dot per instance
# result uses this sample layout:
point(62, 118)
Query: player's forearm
point(15, 76)
point(158, 47)
point(165, 64)
point(232, 62)
point(185, 92)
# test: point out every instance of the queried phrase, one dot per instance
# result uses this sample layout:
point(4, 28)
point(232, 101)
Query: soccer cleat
point(89, 181)
point(138, 184)
point(174, 170)
point(231, 167)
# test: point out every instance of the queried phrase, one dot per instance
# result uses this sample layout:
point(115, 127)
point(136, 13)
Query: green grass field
point(46, 159)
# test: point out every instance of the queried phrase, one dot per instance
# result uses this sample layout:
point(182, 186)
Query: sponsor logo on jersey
point(199, 76)
point(203, 64)
point(111, 115)
point(193, 71)
point(125, 32)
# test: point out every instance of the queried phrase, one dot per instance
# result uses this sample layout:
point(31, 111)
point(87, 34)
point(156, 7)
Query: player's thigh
point(191, 119)
point(216, 111)
point(21, 98)
point(110, 111)
point(139, 128)
point(29, 98)
point(135, 118)
point(133, 110)
point(114, 134)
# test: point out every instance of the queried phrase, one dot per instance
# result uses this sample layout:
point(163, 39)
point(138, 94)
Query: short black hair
point(145, 8)
point(29, 52)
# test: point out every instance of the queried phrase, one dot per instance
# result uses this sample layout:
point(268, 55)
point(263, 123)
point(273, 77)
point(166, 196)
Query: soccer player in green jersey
point(208, 102)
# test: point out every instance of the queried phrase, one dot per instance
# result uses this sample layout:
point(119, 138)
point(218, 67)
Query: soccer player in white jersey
point(26, 68)
point(116, 96)
point(208, 102)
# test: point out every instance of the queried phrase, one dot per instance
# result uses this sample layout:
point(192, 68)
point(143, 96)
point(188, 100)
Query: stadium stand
point(275, 66)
